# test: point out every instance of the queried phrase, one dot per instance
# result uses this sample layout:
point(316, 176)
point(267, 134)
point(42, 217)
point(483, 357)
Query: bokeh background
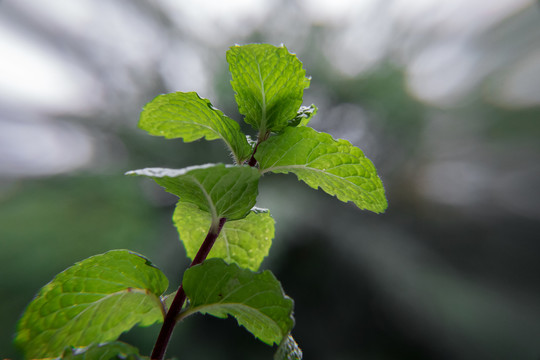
point(443, 96)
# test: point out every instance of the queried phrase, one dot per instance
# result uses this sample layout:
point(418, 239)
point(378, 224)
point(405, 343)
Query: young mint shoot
point(83, 310)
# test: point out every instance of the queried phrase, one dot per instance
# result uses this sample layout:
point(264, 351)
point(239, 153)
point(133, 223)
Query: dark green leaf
point(335, 166)
point(269, 83)
point(245, 242)
point(256, 300)
point(220, 190)
point(93, 301)
point(190, 117)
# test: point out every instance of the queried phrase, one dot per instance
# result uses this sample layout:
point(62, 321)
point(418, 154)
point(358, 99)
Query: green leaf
point(93, 301)
point(245, 242)
point(288, 350)
point(269, 83)
point(222, 191)
point(115, 350)
point(335, 166)
point(190, 117)
point(304, 115)
point(256, 300)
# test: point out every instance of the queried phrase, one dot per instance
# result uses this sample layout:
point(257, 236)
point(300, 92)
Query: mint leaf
point(288, 350)
point(220, 190)
point(245, 242)
point(304, 115)
point(93, 301)
point(335, 166)
point(190, 117)
point(269, 83)
point(106, 351)
point(256, 300)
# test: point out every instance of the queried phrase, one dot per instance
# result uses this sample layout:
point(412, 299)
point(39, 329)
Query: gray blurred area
point(443, 96)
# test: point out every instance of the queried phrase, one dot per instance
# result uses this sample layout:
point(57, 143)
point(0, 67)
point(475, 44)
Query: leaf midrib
point(263, 93)
point(103, 298)
point(305, 167)
point(336, 177)
point(92, 306)
point(207, 308)
point(213, 210)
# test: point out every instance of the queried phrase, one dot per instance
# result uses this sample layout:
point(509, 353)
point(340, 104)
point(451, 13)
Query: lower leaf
point(256, 300)
point(93, 301)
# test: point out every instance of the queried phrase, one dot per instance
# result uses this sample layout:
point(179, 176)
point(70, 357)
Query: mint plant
point(81, 313)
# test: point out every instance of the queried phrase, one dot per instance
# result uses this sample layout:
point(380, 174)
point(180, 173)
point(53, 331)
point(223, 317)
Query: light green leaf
point(335, 166)
point(269, 83)
point(190, 117)
point(304, 115)
point(106, 351)
point(288, 350)
point(245, 242)
point(93, 301)
point(256, 300)
point(222, 191)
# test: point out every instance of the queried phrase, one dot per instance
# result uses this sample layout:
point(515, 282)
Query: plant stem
point(262, 137)
point(252, 161)
point(170, 319)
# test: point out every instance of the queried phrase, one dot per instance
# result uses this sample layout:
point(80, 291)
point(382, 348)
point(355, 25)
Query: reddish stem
point(170, 319)
point(262, 137)
point(252, 161)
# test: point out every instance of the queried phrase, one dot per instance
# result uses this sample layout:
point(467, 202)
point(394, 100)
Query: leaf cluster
point(83, 310)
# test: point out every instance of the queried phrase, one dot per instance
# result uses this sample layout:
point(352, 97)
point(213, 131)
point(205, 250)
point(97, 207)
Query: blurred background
point(443, 96)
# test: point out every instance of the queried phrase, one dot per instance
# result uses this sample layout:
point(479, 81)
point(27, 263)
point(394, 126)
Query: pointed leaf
point(269, 83)
point(190, 117)
point(256, 300)
point(93, 301)
point(106, 351)
point(245, 242)
point(288, 350)
point(220, 190)
point(335, 166)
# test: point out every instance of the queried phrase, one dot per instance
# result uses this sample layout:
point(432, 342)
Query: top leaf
point(269, 83)
point(190, 117)
point(223, 191)
point(335, 166)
